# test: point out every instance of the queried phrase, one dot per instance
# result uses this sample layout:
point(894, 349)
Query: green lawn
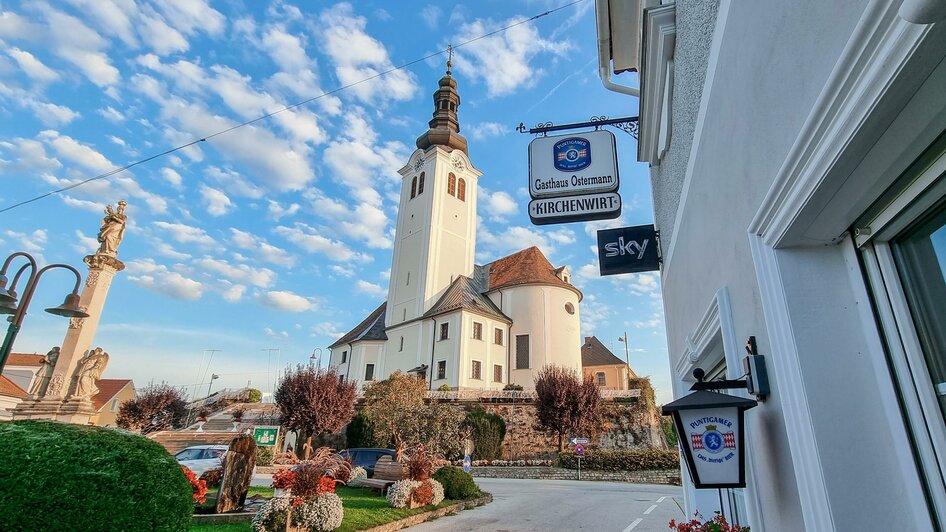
point(364, 509)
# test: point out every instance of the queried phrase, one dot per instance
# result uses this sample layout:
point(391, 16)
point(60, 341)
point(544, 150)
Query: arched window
point(461, 190)
point(452, 184)
point(420, 184)
point(413, 187)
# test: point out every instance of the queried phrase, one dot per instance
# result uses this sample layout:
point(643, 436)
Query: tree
point(158, 407)
point(566, 404)
point(398, 415)
point(314, 401)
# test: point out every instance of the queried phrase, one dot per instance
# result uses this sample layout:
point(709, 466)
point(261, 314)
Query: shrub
point(512, 388)
point(624, 460)
point(457, 484)
point(359, 433)
point(399, 494)
point(156, 408)
point(322, 512)
point(487, 432)
point(253, 395)
point(92, 478)
point(439, 493)
point(272, 516)
point(419, 463)
point(264, 456)
point(670, 432)
point(444, 388)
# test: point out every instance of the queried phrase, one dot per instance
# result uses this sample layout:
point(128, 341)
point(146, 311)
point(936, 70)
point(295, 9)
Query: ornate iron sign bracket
point(627, 124)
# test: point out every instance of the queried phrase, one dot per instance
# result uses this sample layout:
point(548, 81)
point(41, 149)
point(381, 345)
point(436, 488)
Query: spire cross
point(449, 58)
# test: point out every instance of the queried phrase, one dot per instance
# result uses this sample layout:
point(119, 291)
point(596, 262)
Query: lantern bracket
point(756, 378)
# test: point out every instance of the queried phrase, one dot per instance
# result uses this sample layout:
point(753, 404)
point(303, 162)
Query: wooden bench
point(386, 472)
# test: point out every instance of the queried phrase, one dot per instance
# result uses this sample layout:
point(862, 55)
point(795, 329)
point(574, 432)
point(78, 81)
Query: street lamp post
point(8, 297)
point(316, 358)
point(627, 356)
point(213, 377)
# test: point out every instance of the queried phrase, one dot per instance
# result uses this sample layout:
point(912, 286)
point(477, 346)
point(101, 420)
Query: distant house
point(609, 371)
point(11, 395)
point(112, 393)
point(21, 368)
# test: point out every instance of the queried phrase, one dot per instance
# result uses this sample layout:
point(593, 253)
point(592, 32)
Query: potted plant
point(202, 418)
point(418, 489)
point(237, 418)
point(306, 498)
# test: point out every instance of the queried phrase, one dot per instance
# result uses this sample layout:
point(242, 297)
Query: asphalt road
point(563, 505)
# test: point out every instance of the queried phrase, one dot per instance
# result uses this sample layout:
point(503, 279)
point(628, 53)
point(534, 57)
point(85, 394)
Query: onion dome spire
point(445, 126)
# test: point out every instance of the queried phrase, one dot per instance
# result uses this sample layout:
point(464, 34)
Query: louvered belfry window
point(522, 351)
point(452, 184)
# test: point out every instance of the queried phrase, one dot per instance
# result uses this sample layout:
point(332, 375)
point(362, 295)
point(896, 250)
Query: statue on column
point(41, 382)
point(113, 229)
point(89, 371)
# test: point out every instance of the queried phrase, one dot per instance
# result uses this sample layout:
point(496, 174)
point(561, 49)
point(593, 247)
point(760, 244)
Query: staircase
point(218, 429)
point(175, 441)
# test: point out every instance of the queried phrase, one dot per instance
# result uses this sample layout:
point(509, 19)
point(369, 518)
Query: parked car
point(367, 458)
point(200, 458)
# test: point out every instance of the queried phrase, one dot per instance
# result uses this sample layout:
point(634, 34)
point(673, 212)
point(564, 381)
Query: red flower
point(284, 479)
point(198, 486)
point(326, 485)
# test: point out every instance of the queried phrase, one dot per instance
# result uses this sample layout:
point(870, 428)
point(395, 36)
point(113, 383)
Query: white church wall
point(448, 349)
point(484, 350)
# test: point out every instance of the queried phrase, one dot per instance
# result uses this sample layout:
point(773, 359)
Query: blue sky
point(278, 235)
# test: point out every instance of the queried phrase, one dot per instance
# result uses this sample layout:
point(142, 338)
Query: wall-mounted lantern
point(710, 425)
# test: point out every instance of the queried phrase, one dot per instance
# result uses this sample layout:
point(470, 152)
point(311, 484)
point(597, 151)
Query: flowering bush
point(716, 524)
point(399, 494)
point(322, 512)
point(357, 475)
point(507, 463)
point(212, 477)
point(438, 493)
point(284, 479)
point(199, 486)
point(272, 516)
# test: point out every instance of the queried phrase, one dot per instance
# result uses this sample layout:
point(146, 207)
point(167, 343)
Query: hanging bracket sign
point(568, 165)
point(628, 250)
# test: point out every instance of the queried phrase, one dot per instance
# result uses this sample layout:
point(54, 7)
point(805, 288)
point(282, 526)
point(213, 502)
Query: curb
point(216, 519)
point(426, 516)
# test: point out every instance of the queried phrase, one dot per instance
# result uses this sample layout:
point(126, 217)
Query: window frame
point(528, 338)
point(477, 330)
point(498, 333)
point(498, 371)
point(441, 370)
point(369, 365)
point(601, 378)
point(452, 184)
point(344, 357)
point(444, 331)
point(476, 370)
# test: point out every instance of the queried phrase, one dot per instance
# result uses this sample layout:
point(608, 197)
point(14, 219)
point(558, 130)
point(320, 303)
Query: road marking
point(651, 509)
point(660, 500)
point(633, 525)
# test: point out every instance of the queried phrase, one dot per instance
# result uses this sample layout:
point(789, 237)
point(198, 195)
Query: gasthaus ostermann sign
point(570, 165)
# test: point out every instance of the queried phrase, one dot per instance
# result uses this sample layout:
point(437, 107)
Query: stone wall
point(668, 476)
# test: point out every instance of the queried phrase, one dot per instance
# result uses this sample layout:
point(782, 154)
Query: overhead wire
point(284, 109)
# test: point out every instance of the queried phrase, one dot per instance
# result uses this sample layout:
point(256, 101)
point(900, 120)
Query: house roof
point(9, 388)
point(23, 359)
point(108, 389)
point(371, 328)
point(464, 293)
point(528, 266)
point(594, 353)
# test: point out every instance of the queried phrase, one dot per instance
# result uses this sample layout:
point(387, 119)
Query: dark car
point(367, 458)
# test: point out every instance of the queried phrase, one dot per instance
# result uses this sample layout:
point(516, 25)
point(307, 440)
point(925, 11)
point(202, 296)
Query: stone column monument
point(67, 396)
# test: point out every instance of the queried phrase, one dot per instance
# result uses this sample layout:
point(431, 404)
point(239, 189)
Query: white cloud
point(371, 289)
point(278, 212)
point(32, 242)
point(241, 273)
point(216, 201)
point(233, 182)
point(82, 46)
point(651, 323)
point(643, 283)
point(91, 206)
point(431, 15)
point(261, 248)
point(357, 56)
point(515, 238)
point(49, 113)
point(186, 234)
point(504, 61)
point(161, 37)
point(484, 130)
point(13, 26)
point(25, 155)
point(344, 271)
point(72, 150)
point(308, 239)
point(233, 292)
point(34, 68)
point(328, 329)
point(156, 277)
point(498, 204)
point(114, 17)
point(189, 16)
point(111, 114)
point(286, 301)
point(275, 335)
point(85, 244)
point(172, 177)
point(367, 223)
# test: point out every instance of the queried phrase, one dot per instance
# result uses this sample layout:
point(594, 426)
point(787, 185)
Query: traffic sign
point(579, 450)
point(265, 436)
point(583, 441)
point(467, 464)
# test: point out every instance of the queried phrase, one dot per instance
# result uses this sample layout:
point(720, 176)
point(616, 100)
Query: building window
point(569, 308)
point(369, 372)
point(420, 184)
point(444, 331)
point(401, 347)
point(477, 331)
point(344, 356)
point(477, 370)
point(413, 187)
point(602, 380)
point(497, 373)
point(498, 336)
point(452, 184)
point(461, 190)
point(565, 278)
point(441, 369)
point(408, 283)
point(114, 407)
point(522, 351)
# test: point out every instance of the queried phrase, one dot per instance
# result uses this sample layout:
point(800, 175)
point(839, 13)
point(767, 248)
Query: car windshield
point(189, 454)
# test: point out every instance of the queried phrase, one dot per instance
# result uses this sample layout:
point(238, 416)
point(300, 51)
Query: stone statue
point(113, 229)
point(41, 382)
point(89, 371)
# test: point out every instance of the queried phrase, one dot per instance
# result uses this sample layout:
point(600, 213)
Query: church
point(446, 319)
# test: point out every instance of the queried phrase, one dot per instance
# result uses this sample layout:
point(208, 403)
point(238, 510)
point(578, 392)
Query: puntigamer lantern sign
point(712, 437)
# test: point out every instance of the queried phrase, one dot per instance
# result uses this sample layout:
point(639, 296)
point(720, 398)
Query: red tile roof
point(528, 266)
point(9, 388)
point(23, 359)
point(108, 389)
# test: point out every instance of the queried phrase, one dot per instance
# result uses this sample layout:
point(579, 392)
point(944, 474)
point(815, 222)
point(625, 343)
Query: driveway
point(563, 505)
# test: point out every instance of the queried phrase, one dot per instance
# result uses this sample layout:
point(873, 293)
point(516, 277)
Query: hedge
point(457, 484)
point(57, 476)
point(624, 460)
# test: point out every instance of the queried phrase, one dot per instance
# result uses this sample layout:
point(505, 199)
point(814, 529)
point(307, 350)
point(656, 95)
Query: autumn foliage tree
point(314, 401)
point(159, 407)
point(566, 404)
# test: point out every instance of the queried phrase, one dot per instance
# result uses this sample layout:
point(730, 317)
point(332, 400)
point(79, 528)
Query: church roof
point(371, 328)
point(108, 389)
point(594, 353)
point(466, 294)
point(528, 266)
point(23, 359)
point(9, 388)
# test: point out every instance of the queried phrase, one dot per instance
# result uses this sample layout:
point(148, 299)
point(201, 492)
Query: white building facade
point(797, 152)
point(453, 322)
